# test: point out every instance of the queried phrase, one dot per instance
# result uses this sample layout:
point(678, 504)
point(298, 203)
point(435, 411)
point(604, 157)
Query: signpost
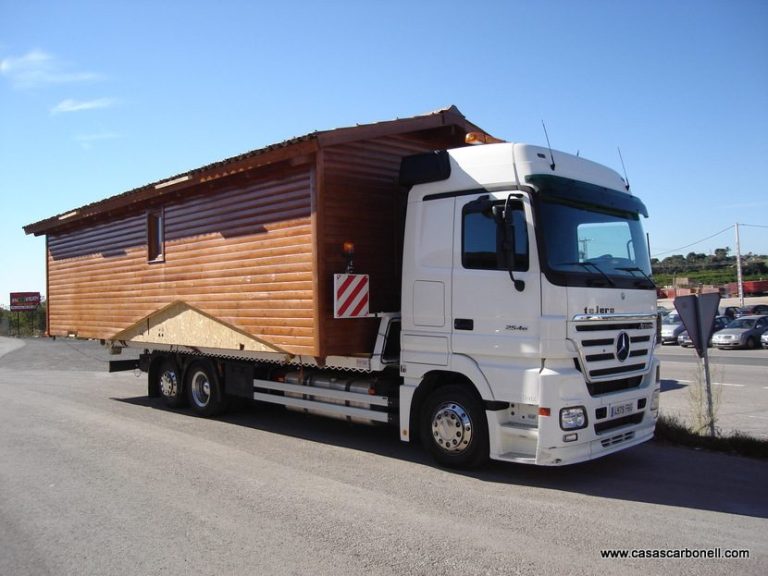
point(23, 302)
point(698, 316)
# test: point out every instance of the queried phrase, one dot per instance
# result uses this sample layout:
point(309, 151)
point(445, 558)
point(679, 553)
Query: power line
point(694, 243)
point(754, 225)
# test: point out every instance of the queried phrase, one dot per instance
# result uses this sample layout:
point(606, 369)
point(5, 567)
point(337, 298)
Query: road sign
point(21, 301)
point(698, 316)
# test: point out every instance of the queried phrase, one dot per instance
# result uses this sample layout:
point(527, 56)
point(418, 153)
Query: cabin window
point(155, 236)
point(482, 239)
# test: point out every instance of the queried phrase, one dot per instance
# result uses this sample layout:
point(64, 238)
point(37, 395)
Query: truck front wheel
point(454, 428)
point(206, 396)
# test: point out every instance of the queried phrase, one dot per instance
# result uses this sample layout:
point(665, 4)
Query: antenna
point(626, 178)
point(551, 156)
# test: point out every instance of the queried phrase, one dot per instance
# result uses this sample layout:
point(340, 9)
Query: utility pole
point(739, 278)
point(584, 242)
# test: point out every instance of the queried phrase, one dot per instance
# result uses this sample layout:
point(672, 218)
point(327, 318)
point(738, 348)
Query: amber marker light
point(481, 138)
point(348, 248)
point(544, 411)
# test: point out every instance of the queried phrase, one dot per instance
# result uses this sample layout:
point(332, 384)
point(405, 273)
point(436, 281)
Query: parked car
point(730, 311)
point(744, 332)
point(764, 339)
point(753, 310)
point(718, 324)
point(663, 312)
point(671, 327)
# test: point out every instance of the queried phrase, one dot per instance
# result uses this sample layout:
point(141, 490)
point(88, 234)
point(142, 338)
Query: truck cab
point(528, 312)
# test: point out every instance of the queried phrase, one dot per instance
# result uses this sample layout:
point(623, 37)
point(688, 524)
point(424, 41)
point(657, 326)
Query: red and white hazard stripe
point(351, 293)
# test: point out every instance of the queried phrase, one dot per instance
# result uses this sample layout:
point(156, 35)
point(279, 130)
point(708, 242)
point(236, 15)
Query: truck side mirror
point(505, 221)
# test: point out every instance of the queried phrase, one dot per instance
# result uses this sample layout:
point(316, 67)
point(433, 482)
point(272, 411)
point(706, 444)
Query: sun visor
point(584, 194)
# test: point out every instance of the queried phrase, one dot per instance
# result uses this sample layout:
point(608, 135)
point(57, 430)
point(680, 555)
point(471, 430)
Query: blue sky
point(97, 98)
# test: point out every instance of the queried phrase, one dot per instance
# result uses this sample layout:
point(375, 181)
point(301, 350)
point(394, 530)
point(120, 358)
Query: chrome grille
point(597, 339)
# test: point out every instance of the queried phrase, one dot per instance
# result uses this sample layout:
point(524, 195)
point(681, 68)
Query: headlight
point(573, 418)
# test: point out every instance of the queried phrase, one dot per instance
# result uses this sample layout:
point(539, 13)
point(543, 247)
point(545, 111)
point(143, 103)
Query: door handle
point(463, 324)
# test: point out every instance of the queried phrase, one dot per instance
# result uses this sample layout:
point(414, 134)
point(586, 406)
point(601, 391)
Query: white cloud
point(70, 105)
point(37, 68)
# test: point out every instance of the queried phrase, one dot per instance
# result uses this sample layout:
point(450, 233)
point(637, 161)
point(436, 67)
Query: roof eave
point(272, 154)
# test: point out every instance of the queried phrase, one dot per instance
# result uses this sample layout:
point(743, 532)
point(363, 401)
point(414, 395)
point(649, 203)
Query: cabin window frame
point(155, 236)
point(479, 229)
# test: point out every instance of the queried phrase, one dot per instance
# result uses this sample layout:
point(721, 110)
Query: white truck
point(527, 326)
point(493, 303)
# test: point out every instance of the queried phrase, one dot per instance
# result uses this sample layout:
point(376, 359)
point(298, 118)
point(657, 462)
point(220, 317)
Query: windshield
point(592, 236)
point(672, 319)
point(742, 323)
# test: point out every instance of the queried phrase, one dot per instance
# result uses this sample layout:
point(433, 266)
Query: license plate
point(619, 410)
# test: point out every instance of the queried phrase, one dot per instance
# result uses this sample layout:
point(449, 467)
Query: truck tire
point(454, 428)
point(204, 391)
point(169, 384)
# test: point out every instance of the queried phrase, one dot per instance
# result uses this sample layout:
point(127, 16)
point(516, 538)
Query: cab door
point(490, 317)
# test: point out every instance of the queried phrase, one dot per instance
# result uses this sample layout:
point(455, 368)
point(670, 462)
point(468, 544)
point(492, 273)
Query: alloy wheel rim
point(451, 427)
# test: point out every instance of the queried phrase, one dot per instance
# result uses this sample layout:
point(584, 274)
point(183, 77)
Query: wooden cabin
point(239, 255)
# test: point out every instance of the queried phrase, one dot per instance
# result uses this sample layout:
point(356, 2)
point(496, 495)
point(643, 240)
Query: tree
point(27, 323)
point(721, 254)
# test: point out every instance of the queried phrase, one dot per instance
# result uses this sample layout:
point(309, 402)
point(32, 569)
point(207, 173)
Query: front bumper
point(549, 445)
point(732, 344)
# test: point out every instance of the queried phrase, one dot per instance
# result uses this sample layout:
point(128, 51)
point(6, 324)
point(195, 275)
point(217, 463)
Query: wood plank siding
point(362, 203)
point(251, 242)
point(243, 255)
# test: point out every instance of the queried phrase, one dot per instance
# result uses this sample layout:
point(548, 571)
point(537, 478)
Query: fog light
point(573, 418)
point(655, 401)
point(571, 437)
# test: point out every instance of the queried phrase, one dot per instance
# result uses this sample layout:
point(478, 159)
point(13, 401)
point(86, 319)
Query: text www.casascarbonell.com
point(681, 553)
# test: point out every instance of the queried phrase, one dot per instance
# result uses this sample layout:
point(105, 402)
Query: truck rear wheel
point(169, 384)
point(206, 396)
point(454, 428)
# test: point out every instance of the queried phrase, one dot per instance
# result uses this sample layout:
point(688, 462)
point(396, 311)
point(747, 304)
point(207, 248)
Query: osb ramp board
point(180, 324)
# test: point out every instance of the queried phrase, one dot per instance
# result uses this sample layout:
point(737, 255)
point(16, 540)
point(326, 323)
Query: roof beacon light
point(481, 138)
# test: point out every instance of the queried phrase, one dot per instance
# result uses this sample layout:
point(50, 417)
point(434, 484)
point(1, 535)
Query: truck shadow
point(653, 473)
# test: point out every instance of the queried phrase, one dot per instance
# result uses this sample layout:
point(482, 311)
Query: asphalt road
point(97, 479)
point(739, 387)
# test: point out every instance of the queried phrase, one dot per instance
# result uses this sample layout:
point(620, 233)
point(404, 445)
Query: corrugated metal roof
point(443, 116)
